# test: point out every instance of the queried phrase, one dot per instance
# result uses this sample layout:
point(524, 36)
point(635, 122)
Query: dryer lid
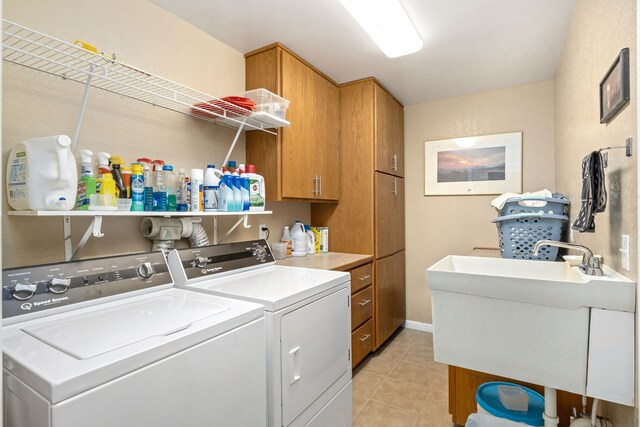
point(93, 333)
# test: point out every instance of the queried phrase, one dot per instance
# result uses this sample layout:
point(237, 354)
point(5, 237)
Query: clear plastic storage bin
point(268, 102)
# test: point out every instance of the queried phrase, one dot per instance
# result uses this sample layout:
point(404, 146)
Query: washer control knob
point(145, 270)
point(58, 285)
point(259, 252)
point(24, 291)
point(200, 262)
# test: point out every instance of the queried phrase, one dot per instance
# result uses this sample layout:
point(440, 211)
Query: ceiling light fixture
point(388, 25)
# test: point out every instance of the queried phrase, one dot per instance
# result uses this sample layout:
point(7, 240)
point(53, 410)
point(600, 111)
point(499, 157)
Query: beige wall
point(144, 35)
point(599, 30)
point(438, 226)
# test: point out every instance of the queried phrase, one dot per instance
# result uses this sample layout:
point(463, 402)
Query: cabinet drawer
point(361, 306)
point(361, 277)
point(361, 342)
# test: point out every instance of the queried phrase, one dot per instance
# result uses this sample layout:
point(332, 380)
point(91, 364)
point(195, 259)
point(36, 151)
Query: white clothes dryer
point(308, 324)
point(109, 342)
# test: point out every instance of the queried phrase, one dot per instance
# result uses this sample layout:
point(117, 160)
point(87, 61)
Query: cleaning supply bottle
point(103, 163)
point(159, 192)
point(211, 189)
point(256, 189)
point(286, 238)
point(105, 185)
point(172, 187)
point(244, 188)
point(226, 193)
point(126, 179)
point(196, 202)
point(237, 193)
point(147, 164)
point(231, 166)
point(87, 182)
point(299, 239)
point(116, 163)
point(137, 187)
point(182, 203)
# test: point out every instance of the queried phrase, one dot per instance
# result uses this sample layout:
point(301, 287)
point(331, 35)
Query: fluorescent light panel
point(387, 24)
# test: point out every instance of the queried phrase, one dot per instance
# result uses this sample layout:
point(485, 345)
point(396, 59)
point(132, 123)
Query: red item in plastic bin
point(233, 105)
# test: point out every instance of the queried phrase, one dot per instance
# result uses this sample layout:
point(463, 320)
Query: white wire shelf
point(32, 49)
point(131, 213)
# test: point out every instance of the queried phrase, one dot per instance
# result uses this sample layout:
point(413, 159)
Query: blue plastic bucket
point(488, 399)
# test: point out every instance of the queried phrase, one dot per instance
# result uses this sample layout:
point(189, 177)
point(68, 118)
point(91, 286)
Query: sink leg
point(550, 408)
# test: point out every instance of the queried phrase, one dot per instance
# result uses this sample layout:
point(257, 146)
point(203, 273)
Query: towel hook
point(628, 146)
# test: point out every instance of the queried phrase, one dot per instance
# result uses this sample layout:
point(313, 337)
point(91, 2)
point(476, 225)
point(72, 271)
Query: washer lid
point(274, 287)
point(96, 332)
point(65, 354)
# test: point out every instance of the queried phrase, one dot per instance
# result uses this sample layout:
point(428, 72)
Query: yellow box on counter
point(322, 239)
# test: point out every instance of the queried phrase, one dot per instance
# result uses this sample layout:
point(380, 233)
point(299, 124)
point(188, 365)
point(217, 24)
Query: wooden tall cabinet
point(301, 162)
point(369, 219)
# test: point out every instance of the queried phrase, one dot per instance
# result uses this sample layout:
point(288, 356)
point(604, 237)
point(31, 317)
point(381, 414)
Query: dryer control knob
point(59, 285)
point(145, 270)
point(24, 291)
point(200, 262)
point(259, 252)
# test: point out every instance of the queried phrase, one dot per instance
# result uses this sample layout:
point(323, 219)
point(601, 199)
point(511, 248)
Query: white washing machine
point(109, 342)
point(308, 326)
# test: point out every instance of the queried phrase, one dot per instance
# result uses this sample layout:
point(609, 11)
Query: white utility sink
point(552, 284)
point(531, 320)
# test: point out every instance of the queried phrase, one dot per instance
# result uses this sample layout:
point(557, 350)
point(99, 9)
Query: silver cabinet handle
point(315, 185)
point(363, 278)
point(395, 186)
point(365, 302)
point(320, 185)
point(364, 338)
point(394, 164)
point(24, 291)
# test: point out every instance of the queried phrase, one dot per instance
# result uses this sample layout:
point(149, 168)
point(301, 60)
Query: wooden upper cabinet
point(302, 161)
point(326, 152)
point(389, 130)
point(389, 208)
point(298, 86)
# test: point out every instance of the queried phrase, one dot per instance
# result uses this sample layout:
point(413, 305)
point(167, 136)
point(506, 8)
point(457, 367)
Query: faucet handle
point(594, 266)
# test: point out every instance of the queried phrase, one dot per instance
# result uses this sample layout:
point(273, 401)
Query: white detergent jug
point(42, 174)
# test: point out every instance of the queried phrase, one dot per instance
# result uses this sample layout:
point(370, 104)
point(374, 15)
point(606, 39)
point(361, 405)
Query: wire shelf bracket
point(628, 147)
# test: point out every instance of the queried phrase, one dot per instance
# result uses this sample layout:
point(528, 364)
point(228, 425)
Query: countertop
point(327, 261)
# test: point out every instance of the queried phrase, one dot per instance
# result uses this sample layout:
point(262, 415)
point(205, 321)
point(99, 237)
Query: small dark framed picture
point(614, 87)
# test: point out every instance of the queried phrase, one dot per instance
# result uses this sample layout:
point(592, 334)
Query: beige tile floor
point(401, 385)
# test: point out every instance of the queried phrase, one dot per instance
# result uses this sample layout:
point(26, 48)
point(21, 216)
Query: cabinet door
point(389, 209)
point(389, 296)
point(298, 86)
point(389, 136)
point(326, 151)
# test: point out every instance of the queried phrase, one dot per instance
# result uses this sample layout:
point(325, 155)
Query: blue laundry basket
point(550, 205)
point(518, 233)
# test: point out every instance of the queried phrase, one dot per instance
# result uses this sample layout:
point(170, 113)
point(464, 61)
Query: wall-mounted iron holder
point(628, 146)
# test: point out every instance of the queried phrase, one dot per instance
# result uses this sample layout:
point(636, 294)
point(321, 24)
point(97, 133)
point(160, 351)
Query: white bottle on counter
point(286, 238)
point(299, 239)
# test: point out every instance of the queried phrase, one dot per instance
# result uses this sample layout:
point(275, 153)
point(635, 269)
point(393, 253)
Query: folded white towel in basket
point(499, 201)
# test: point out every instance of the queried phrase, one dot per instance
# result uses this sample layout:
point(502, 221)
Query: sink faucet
point(590, 264)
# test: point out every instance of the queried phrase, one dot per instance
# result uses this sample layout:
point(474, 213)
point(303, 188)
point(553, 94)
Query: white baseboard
point(411, 324)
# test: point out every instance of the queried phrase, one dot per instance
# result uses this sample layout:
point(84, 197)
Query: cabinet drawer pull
point(364, 338)
point(363, 278)
point(395, 186)
point(365, 302)
point(394, 164)
point(320, 185)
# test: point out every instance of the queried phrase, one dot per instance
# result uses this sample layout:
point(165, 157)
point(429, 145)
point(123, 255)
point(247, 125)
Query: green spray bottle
point(87, 182)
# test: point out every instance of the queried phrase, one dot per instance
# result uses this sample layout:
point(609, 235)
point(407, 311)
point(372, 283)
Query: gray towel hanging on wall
point(594, 192)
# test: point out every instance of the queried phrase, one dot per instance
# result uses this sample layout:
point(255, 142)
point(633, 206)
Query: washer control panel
point(218, 259)
point(42, 287)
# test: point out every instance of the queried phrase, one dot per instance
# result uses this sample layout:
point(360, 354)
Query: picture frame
point(475, 165)
point(615, 92)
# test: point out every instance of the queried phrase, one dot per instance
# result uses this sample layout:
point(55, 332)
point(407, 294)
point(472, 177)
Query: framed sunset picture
point(489, 164)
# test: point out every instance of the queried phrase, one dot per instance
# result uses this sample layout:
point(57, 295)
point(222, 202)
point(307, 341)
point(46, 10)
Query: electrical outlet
point(262, 231)
point(625, 249)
